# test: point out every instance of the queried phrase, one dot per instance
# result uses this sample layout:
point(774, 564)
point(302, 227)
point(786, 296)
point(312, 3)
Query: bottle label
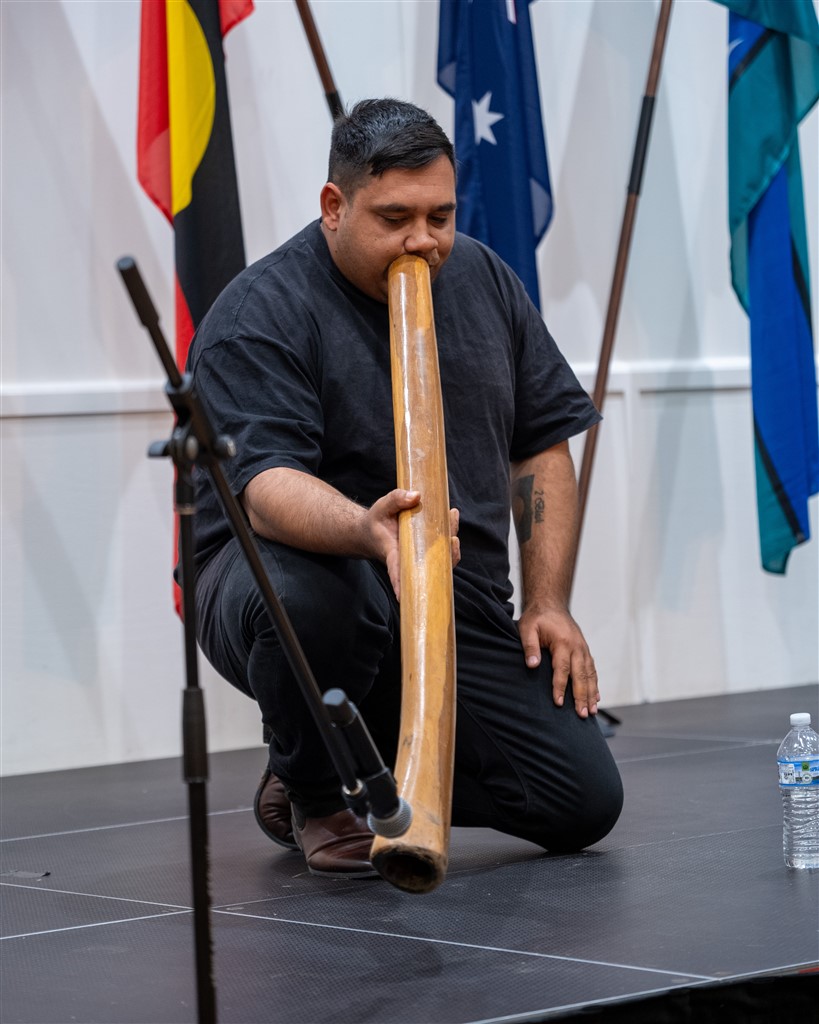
point(799, 773)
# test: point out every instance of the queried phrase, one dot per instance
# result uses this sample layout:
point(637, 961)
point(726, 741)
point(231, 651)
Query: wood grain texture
point(417, 861)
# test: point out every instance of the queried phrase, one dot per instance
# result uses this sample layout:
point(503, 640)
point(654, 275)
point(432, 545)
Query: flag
point(185, 152)
point(185, 149)
point(486, 62)
point(773, 81)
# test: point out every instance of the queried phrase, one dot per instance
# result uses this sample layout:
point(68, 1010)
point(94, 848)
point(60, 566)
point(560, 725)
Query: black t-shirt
point(293, 362)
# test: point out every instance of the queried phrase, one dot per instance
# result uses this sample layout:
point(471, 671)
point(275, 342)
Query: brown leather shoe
point(338, 845)
point(273, 811)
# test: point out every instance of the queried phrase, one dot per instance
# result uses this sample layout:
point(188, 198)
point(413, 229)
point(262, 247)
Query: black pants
point(522, 765)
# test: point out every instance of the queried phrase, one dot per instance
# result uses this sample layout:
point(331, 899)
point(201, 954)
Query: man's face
point(402, 212)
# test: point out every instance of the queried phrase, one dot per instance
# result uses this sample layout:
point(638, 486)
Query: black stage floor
point(688, 895)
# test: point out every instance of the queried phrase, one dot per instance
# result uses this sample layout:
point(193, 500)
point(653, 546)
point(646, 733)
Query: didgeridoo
point(417, 861)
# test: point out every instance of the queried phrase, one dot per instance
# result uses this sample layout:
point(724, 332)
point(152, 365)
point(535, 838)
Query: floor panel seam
point(121, 824)
point(469, 945)
point(96, 896)
point(690, 839)
point(772, 971)
point(750, 741)
point(353, 887)
point(537, 1016)
point(690, 753)
point(92, 924)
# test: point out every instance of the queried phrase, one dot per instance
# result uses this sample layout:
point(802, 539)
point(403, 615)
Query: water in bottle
point(798, 761)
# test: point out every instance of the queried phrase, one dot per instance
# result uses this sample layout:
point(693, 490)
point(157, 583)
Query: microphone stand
point(366, 784)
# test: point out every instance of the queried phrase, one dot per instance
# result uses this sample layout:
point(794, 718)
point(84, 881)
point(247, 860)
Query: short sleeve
point(263, 395)
point(550, 404)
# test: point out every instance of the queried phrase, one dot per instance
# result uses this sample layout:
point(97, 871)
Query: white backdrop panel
point(668, 586)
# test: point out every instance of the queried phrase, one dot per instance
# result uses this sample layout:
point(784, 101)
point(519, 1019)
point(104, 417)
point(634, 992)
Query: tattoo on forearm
point(522, 502)
point(529, 506)
point(540, 505)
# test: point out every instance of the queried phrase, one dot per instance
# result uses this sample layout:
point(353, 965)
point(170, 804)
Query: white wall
point(668, 589)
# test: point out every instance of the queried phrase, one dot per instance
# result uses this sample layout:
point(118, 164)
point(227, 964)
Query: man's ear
point(332, 200)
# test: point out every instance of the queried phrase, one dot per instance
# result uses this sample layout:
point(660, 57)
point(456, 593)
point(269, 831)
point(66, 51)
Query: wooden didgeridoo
point(417, 861)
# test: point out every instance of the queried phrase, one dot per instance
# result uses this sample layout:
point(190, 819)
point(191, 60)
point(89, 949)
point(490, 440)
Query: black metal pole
point(195, 759)
point(182, 448)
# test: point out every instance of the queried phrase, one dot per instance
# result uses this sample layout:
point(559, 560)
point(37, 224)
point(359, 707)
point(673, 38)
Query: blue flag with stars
point(773, 81)
point(486, 62)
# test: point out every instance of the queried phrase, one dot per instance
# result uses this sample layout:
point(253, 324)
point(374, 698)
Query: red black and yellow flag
point(185, 150)
point(185, 157)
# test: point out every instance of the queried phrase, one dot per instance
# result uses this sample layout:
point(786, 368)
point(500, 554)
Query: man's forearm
point(304, 512)
point(544, 505)
point(545, 511)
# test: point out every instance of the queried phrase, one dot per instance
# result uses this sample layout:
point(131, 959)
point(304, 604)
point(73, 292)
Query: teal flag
point(773, 81)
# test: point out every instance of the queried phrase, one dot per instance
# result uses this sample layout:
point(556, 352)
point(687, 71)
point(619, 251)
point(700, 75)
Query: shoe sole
point(343, 874)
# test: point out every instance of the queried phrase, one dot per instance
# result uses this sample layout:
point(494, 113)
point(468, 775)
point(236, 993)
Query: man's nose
point(419, 241)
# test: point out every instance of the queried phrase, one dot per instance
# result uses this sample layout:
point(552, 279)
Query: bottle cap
point(800, 718)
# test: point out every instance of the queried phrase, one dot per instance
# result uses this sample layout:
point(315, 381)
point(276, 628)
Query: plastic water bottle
point(798, 762)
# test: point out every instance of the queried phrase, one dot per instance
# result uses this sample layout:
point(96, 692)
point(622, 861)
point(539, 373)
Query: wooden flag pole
point(618, 280)
point(323, 68)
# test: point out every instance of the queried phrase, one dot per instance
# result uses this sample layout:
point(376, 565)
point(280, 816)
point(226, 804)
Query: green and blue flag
point(773, 73)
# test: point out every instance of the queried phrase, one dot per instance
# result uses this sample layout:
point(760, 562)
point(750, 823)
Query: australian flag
point(486, 62)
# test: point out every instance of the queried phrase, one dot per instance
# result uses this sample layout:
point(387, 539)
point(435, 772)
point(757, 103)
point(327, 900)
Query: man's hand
point(555, 630)
point(382, 524)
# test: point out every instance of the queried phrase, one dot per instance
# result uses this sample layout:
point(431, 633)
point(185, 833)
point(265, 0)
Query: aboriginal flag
point(185, 149)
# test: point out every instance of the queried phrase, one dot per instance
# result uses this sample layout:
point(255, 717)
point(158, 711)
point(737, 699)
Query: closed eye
point(440, 221)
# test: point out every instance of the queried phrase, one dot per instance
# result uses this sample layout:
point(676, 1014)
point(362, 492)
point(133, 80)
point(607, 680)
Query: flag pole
point(323, 68)
point(619, 277)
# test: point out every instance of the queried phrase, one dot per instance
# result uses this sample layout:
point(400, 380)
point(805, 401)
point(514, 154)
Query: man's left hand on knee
point(554, 630)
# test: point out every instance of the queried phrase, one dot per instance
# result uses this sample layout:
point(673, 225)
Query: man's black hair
point(378, 135)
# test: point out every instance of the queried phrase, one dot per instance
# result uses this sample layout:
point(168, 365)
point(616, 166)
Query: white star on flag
point(484, 119)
